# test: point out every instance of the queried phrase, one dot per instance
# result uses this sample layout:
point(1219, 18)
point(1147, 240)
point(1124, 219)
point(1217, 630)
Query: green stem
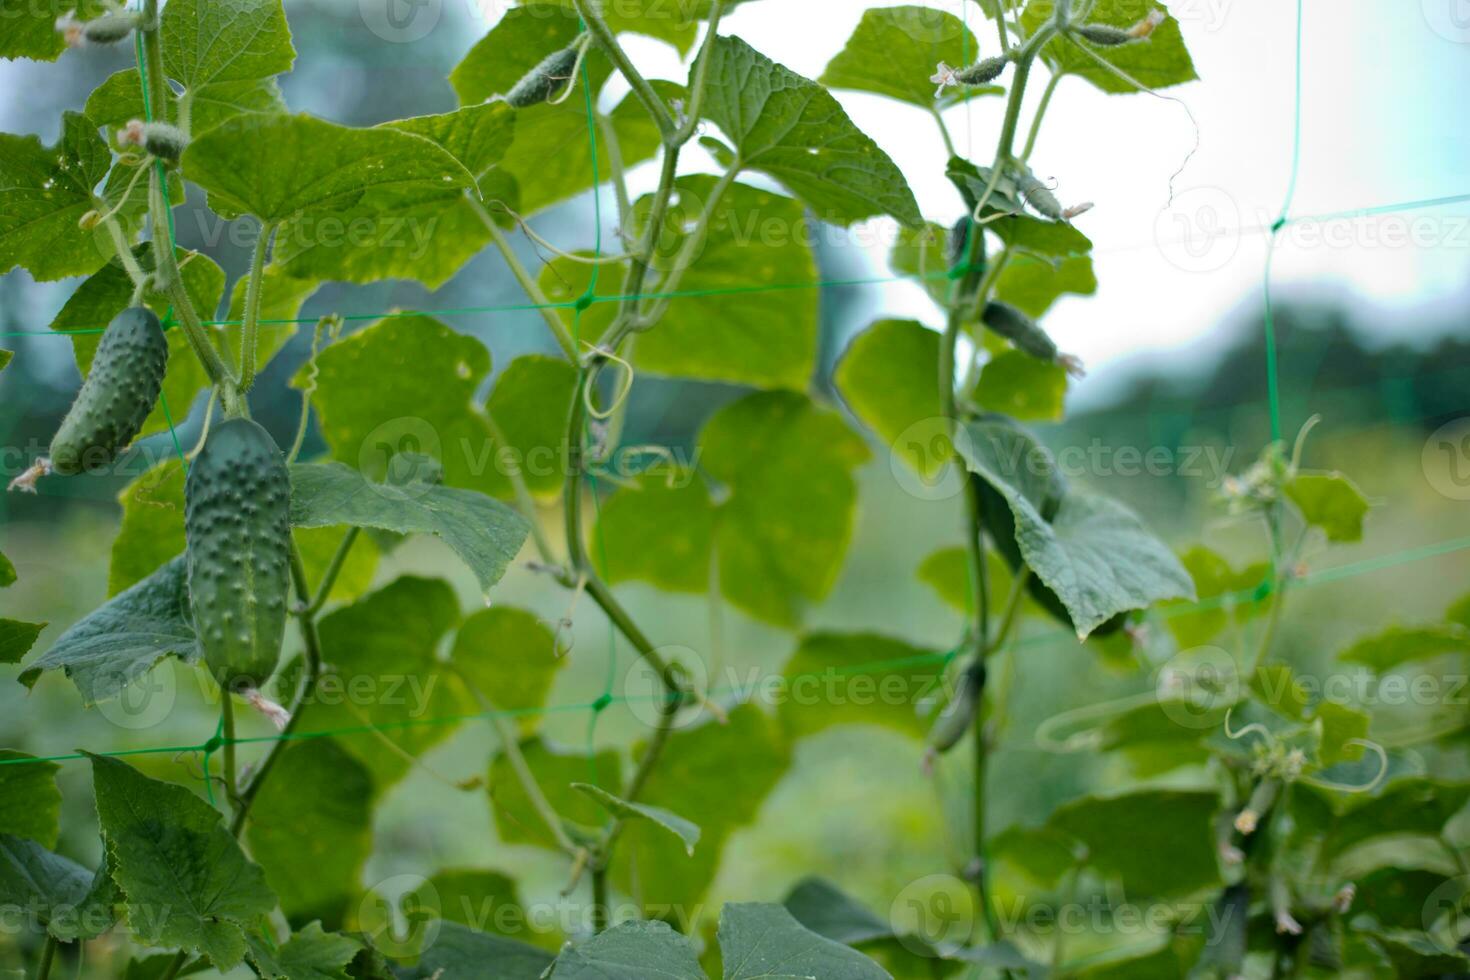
point(124, 251)
point(599, 900)
point(1051, 87)
point(577, 554)
point(685, 258)
point(253, 290)
point(943, 131)
point(642, 261)
point(511, 746)
point(171, 283)
point(334, 569)
point(227, 734)
point(180, 959)
point(48, 956)
point(528, 283)
point(701, 75)
point(524, 501)
point(592, 17)
point(153, 54)
point(617, 175)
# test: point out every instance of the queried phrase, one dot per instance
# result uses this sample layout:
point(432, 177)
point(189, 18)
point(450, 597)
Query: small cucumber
point(121, 389)
point(548, 78)
point(236, 503)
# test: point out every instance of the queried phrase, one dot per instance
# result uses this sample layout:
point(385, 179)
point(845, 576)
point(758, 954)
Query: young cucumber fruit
point(236, 503)
point(121, 389)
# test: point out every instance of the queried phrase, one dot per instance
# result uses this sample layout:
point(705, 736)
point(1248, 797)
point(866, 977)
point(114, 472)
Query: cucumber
point(121, 389)
point(549, 77)
point(236, 503)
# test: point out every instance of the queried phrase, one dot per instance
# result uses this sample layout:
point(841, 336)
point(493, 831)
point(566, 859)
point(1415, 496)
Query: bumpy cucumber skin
point(545, 80)
point(236, 504)
point(121, 389)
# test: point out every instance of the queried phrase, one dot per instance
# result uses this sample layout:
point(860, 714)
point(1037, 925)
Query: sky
point(1382, 123)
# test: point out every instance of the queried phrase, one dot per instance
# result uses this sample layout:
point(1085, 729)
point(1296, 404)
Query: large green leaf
point(780, 534)
point(889, 377)
point(1023, 387)
point(385, 681)
point(36, 884)
point(476, 898)
point(30, 26)
point(47, 189)
point(1411, 806)
point(16, 636)
point(107, 292)
point(30, 803)
point(225, 57)
point(426, 234)
point(529, 406)
point(1225, 596)
point(1032, 284)
point(280, 167)
point(1158, 62)
point(758, 940)
point(675, 511)
point(120, 99)
point(459, 952)
point(485, 533)
point(1091, 553)
point(630, 951)
point(1100, 560)
point(311, 954)
point(716, 776)
point(895, 50)
point(1398, 645)
point(859, 679)
point(407, 384)
point(124, 638)
point(187, 882)
point(208, 43)
point(510, 657)
point(1170, 853)
point(1330, 501)
point(785, 527)
point(316, 784)
point(792, 129)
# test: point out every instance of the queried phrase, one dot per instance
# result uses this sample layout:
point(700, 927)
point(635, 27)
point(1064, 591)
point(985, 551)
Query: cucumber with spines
point(548, 78)
point(236, 519)
point(114, 401)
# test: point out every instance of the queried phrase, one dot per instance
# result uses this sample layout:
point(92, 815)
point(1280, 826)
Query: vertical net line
point(1273, 380)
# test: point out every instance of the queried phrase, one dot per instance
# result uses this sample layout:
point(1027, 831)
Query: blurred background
point(1373, 316)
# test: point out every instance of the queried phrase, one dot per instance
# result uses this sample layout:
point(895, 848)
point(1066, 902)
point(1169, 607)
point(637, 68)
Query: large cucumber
point(121, 389)
point(236, 503)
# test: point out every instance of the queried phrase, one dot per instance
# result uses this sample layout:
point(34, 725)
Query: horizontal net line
point(1256, 594)
point(1372, 211)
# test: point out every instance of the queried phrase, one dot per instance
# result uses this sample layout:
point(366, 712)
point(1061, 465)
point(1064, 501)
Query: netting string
point(1370, 211)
